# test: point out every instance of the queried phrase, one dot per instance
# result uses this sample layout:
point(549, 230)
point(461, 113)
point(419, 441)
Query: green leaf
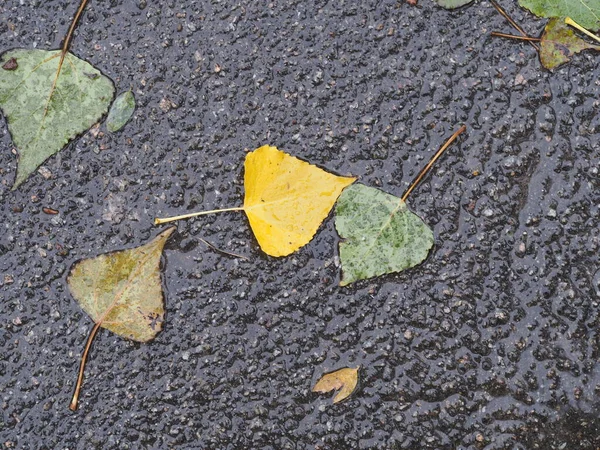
point(452, 4)
point(380, 234)
point(121, 291)
point(120, 111)
point(46, 108)
point(559, 43)
point(585, 12)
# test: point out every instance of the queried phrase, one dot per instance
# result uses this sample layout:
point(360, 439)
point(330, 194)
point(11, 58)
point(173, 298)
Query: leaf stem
point(512, 36)
point(65, 49)
point(574, 24)
point(432, 161)
point(158, 221)
point(512, 22)
point(73, 405)
point(69, 38)
point(216, 249)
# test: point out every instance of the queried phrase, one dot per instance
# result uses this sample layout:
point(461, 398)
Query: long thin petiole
point(574, 24)
point(512, 22)
point(65, 49)
point(158, 221)
point(67, 43)
point(216, 249)
point(432, 161)
point(512, 36)
point(88, 345)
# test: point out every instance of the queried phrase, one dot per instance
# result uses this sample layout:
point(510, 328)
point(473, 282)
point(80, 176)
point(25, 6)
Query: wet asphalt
point(491, 343)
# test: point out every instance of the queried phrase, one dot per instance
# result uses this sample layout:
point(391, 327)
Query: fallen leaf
point(559, 43)
point(585, 12)
point(45, 108)
point(120, 111)
point(452, 4)
point(380, 235)
point(343, 379)
point(286, 199)
point(121, 291)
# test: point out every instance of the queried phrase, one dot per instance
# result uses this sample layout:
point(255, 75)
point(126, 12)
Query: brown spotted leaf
point(343, 379)
point(121, 291)
point(559, 43)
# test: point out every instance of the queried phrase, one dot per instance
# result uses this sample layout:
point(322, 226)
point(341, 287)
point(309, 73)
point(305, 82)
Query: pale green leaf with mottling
point(584, 12)
point(120, 111)
point(452, 4)
point(43, 117)
point(559, 43)
point(122, 290)
point(380, 235)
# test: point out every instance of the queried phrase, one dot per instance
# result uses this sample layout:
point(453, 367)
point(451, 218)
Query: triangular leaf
point(122, 290)
point(46, 108)
point(585, 12)
point(380, 234)
point(343, 379)
point(287, 199)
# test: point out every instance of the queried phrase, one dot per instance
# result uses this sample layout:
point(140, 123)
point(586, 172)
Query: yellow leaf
point(287, 199)
point(343, 379)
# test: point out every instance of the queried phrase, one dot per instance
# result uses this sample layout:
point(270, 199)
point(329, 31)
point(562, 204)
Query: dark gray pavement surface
point(492, 343)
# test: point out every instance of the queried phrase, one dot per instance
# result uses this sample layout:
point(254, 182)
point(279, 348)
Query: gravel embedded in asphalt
point(492, 343)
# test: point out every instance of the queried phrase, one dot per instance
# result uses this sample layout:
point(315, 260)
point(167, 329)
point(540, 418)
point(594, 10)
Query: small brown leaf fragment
point(11, 64)
point(50, 211)
point(343, 379)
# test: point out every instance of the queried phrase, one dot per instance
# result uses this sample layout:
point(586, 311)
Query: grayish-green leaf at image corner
point(585, 12)
point(379, 234)
point(452, 4)
point(120, 111)
point(44, 112)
